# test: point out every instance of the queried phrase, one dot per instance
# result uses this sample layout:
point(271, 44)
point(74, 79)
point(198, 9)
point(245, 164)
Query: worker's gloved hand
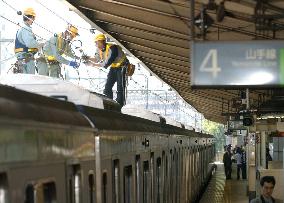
point(74, 64)
point(85, 58)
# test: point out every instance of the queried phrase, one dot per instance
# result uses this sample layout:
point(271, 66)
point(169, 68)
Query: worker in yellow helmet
point(26, 45)
point(54, 52)
point(111, 55)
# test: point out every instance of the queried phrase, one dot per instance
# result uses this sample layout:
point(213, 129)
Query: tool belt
point(30, 50)
point(130, 68)
point(46, 60)
point(25, 57)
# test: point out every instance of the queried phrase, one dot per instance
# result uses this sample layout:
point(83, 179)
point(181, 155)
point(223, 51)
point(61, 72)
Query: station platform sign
point(251, 64)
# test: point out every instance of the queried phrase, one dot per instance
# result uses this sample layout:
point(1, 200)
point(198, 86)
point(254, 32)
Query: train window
point(116, 181)
point(171, 175)
point(41, 192)
point(30, 193)
point(152, 175)
point(91, 186)
point(127, 184)
point(137, 177)
point(177, 164)
point(3, 188)
point(49, 192)
point(77, 188)
point(165, 175)
point(158, 179)
point(146, 195)
point(104, 187)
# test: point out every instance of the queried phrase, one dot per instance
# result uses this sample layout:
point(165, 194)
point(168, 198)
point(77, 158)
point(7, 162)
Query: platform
point(220, 190)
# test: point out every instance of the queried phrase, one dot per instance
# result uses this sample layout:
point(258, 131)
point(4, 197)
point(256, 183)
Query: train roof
point(22, 105)
point(134, 110)
point(54, 87)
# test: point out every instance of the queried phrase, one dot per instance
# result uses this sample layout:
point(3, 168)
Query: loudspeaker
point(247, 121)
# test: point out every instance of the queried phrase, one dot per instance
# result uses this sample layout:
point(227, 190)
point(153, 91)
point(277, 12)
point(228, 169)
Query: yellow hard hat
point(100, 37)
point(73, 30)
point(29, 12)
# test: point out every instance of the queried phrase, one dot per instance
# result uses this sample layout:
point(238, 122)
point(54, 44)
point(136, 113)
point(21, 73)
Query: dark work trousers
point(228, 171)
point(244, 171)
point(239, 168)
point(116, 75)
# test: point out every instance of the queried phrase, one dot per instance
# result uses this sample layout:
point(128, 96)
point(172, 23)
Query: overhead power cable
point(59, 15)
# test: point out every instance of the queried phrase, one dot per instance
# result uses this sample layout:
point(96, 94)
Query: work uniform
point(244, 164)
point(26, 47)
point(114, 57)
point(227, 164)
point(49, 62)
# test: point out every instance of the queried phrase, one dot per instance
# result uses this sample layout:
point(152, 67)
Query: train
point(55, 150)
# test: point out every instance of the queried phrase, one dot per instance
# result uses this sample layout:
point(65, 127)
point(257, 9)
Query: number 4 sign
point(210, 63)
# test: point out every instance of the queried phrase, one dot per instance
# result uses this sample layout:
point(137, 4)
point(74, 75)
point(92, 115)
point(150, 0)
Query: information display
point(239, 63)
point(236, 125)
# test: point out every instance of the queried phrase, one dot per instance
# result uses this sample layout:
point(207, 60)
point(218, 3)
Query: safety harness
point(20, 47)
point(118, 61)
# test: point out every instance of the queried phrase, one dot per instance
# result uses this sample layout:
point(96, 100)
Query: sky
point(53, 16)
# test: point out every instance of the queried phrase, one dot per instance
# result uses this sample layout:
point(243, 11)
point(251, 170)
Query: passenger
point(239, 161)
point(228, 163)
point(26, 45)
point(268, 157)
point(267, 185)
point(244, 163)
point(50, 61)
point(113, 56)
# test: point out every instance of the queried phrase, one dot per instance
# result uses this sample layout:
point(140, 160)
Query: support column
point(263, 149)
point(251, 166)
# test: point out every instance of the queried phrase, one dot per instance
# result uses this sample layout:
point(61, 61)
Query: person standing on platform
point(239, 161)
point(244, 163)
point(228, 163)
point(26, 45)
point(267, 184)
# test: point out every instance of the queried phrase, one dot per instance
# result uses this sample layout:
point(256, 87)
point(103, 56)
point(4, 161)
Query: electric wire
point(155, 94)
point(59, 15)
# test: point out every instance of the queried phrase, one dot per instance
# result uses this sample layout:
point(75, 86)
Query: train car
point(58, 151)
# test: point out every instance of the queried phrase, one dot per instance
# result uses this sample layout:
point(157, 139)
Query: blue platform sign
point(237, 64)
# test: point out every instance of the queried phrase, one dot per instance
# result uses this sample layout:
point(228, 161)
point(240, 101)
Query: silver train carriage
point(56, 151)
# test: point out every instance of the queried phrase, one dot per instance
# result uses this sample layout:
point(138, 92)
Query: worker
point(26, 45)
point(113, 56)
point(228, 162)
point(49, 63)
